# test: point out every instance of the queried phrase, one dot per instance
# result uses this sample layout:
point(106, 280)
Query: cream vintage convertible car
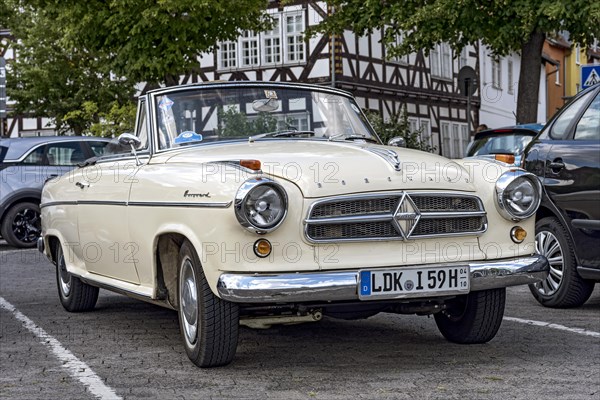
point(264, 203)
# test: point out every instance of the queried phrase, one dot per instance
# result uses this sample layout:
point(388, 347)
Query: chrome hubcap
point(65, 276)
point(548, 245)
point(189, 302)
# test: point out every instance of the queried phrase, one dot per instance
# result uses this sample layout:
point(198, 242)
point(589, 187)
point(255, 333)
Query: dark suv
point(25, 164)
point(566, 157)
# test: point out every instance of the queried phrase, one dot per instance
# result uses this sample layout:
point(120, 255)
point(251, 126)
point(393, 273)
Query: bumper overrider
point(343, 285)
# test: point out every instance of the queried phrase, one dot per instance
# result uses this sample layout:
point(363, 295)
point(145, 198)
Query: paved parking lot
point(129, 349)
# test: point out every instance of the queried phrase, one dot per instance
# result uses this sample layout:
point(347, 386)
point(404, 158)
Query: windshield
point(212, 114)
point(499, 144)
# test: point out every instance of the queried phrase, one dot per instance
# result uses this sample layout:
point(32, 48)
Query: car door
point(107, 246)
point(572, 173)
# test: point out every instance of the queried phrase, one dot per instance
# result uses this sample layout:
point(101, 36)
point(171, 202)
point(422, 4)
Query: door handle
point(556, 165)
point(82, 185)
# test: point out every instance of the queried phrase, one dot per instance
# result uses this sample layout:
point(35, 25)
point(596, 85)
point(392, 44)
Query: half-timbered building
point(425, 84)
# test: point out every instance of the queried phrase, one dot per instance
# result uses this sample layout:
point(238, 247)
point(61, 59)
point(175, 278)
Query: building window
point(398, 42)
point(294, 30)
point(434, 61)
point(227, 51)
point(497, 73)
point(577, 55)
point(463, 59)
point(446, 60)
point(413, 124)
point(445, 131)
point(557, 73)
point(510, 82)
point(425, 131)
point(272, 43)
point(249, 46)
point(283, 43)
point(440, 59)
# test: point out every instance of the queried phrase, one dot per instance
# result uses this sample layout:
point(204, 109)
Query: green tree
point(48, 79)
point(78, 60)
point(154, 41)
point(398, 126)
point(505, 26)
point(235, 124)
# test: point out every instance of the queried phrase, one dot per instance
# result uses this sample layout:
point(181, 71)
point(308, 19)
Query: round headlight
point(518, 194)
point(260, 205)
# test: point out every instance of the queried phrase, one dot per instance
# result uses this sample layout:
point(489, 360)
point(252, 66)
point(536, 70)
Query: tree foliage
point(154, 41)
point(79, 61)
point(505, 26)
point(399, 126)
point(235, 124)
point(50, 80)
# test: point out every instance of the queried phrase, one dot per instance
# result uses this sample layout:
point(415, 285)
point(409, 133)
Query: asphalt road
point(133, 350)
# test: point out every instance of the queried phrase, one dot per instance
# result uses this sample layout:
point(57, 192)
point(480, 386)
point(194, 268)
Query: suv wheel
point(563, 287)
point(21, 226)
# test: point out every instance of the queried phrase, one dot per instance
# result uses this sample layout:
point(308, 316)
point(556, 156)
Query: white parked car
point(266, 203)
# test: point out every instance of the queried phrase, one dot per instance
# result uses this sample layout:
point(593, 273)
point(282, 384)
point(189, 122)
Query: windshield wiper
point(352, 137)
point(284, 133)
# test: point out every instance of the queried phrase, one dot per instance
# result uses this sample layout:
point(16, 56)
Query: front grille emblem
point(388, 155)
point(406, 216)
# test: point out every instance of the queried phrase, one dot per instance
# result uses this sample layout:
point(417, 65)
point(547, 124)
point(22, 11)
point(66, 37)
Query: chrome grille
point(395, 216)
point(429, 227)
point(439, 203)
point(361, 230)
point(384, 205)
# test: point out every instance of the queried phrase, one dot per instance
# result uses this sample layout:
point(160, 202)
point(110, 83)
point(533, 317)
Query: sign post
point(2, 95)
point(590, 75)
point(467, 84)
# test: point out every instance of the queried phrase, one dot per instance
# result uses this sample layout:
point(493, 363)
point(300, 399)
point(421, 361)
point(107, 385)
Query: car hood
point(325, 168)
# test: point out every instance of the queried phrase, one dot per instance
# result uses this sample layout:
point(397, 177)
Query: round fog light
point(518, 234)
point(262, 248)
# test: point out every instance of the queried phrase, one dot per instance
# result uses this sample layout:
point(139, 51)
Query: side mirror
point(129, 139)
point(397, 141)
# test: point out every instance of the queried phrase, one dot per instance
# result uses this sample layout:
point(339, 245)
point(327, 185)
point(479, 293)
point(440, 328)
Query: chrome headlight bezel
point(242, 196)
point(503, 186)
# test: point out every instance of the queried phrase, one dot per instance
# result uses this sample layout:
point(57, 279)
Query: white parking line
point(76, 368)
point(554, 326)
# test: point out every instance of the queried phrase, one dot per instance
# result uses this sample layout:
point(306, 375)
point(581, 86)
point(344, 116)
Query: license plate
point(412, 282)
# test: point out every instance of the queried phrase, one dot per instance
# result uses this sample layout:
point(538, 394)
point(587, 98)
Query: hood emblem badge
point(388, 155)
point(406, 216)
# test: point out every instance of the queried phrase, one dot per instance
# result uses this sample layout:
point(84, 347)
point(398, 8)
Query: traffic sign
point(2, 88)
point(590, 75)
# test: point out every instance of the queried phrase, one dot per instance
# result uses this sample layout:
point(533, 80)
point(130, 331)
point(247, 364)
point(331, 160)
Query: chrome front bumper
point(342, 285)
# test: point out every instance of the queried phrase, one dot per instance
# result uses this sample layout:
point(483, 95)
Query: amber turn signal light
point(518, 234)
point(506, 158)
point(262, 248)
point(254, 165)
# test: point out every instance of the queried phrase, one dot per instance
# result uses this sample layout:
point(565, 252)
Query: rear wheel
point(563, 287)
point(21, 226)
point(74, 294)
point(473, 318)
point(209, 325)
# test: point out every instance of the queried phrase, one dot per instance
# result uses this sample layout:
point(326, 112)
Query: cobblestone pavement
point(136, 350)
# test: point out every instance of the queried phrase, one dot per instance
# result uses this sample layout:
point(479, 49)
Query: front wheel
point(209, 325)
point(473, 318)
point(74, 294)
point(563, 287)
